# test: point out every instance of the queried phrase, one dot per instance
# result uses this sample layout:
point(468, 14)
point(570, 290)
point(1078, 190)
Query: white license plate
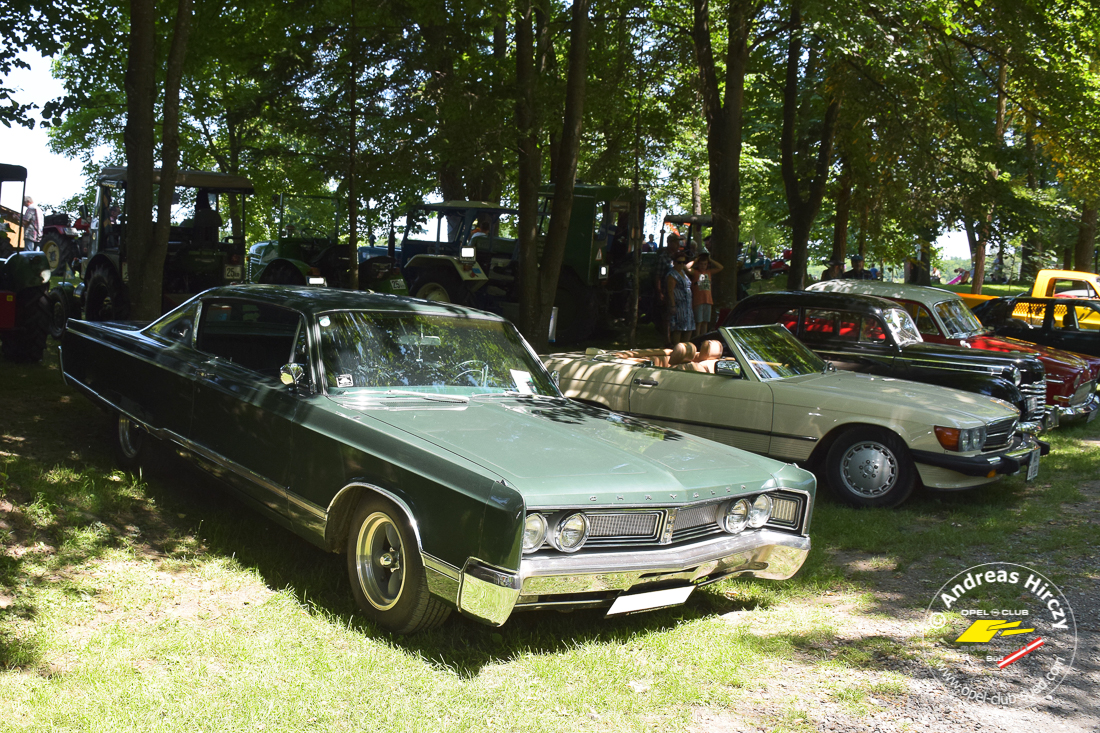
point(232, 272)
point(397, 284)
point(650, 600)
point(1033, 465)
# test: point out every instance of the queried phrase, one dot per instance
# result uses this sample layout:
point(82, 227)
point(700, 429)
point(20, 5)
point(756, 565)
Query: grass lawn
point(154, 601)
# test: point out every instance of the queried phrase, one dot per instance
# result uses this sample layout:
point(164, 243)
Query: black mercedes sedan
point(877, 336)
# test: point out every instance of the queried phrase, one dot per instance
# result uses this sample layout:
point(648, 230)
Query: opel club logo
point(1001, 634)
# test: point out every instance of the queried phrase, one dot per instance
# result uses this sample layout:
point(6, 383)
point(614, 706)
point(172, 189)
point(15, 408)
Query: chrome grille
point(624, 527)
point(1035, 389)
point(695, 521)
point(1082, 394)
point(999, 433)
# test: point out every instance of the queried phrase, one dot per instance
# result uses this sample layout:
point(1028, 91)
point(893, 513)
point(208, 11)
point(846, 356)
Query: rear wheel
point(27, 341)
point(282, 273)
point(386, 572)
point(59, 253)
point(104, 299)
point(439, 286)
point(868, 467)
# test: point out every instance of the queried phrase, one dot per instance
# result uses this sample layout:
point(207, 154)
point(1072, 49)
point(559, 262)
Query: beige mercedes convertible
point(870, 439)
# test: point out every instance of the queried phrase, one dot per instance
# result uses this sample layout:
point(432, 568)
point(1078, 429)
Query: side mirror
point(292, 375)
point(728, 368)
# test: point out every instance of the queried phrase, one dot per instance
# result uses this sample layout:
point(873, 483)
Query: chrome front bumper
point(595, 579)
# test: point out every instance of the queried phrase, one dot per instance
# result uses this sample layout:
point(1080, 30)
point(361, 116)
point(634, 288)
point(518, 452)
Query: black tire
point(129, 442)
point(386, 572)
point(58, 251)
point(439, 286)
point(104, 299)
point(27, 341)
point(282, 273)
point(58, 304)
point(870, 467)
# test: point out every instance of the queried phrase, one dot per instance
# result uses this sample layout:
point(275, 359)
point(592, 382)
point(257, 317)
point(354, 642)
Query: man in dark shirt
point(857, 272)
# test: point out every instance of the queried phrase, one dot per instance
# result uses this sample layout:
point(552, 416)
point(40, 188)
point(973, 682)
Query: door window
point(256, 336)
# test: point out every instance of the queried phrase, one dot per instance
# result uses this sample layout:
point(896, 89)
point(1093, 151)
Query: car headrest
point(710, 349)
point(681, 354)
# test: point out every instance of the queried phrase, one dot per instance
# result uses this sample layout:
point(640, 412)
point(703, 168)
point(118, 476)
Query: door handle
point(646, 382)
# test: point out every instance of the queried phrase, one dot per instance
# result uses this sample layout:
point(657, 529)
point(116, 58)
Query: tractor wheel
point(104, 299)
point(58, 252)
point(58, 305)
point(282, 273)
point(27, 341)
point(440, 286)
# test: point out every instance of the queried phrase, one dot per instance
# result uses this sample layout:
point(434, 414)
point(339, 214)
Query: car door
point(734, 411)
point(243, 416)
point(1067, 328)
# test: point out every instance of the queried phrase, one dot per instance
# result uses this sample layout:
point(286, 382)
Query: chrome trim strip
point(441, 566)
point(397, 501)
point(306, 504)
point(750, 431)
point(487, 593)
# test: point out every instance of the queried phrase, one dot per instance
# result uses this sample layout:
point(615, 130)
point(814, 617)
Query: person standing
point(681, 321)
point(32, 225)
point(702, 300)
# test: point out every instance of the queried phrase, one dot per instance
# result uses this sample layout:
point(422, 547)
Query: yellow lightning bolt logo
point(982, 632)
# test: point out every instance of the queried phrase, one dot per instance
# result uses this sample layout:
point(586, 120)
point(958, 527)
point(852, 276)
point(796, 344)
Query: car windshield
point(901, 325)
point(772, 352)
point(958, 320)
point(428, 354)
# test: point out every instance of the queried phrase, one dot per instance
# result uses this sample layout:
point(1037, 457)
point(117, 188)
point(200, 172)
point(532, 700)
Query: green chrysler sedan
point(428, 443)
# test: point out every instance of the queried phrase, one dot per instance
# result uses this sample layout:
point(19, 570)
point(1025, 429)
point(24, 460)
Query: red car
point(943, 318)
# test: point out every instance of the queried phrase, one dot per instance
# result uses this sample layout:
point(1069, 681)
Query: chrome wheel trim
point(434, 292)
point(869, 469)
point(128, 439)
point(379, 561)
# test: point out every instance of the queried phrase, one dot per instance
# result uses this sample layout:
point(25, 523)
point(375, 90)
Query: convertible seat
point(658, 357)
point(683, 353)
point(709, 353)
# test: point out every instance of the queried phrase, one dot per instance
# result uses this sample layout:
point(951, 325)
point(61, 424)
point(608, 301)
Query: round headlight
point(534, 532)
point(964, 440)
point(761, 511)
point(572, 532)
point(737, 516)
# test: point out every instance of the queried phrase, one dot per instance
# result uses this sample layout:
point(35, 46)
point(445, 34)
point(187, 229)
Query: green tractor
point(466, 252)
point(24, 279)
point(309, 252)
point(201, 254)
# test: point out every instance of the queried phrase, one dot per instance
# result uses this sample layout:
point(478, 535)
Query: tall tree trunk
point(170, 147)
point(530, 166)
point(696, 195)
point(353, 149)
point(724, 125)
point(1030, 250)
point(977, 254)
point(802, 208)
point(1085, 250)
point(843, 211)
point(565, 171)
point(987, 222)
point(145, 273)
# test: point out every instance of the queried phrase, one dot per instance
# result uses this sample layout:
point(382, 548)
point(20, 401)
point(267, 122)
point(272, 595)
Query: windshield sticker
point(344, 380)
point(325, 321)
point(522, 380)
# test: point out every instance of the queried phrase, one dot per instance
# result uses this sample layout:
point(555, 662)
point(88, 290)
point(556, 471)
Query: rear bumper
point(596, 579)
point(1003, 463)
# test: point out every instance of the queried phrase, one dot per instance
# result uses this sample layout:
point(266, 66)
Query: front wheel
point(58, 306)
point(868, 467)
point(104, 299)
point(129, 442)
point(386, 572)
point(439, 286)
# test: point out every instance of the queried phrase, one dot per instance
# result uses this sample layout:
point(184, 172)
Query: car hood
point(559, 452)
point(886, 397)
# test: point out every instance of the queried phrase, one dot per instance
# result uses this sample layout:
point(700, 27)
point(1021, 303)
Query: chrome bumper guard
point(595, 579)
point(1006, 462)
point(1083, 412)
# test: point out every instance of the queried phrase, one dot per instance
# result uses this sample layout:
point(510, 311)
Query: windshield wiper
point(428, 396)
